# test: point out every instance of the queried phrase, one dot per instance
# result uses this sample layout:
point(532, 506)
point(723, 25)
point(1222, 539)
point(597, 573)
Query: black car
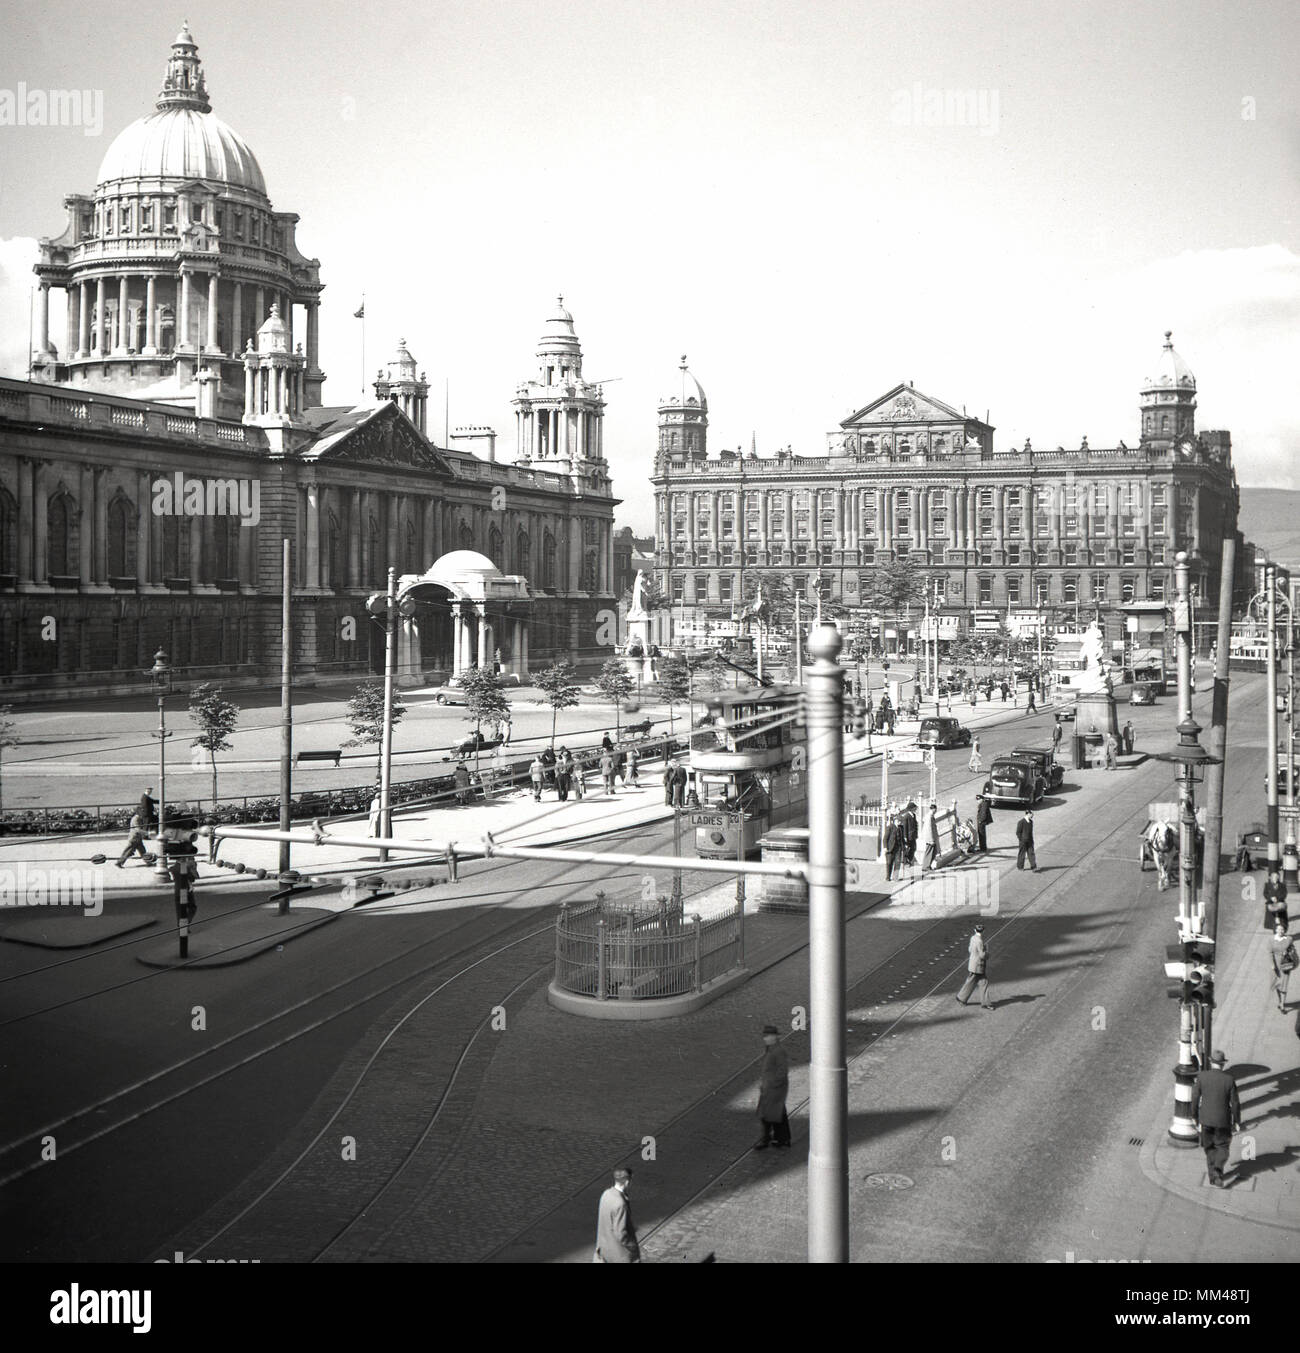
point(1049, 767)
point(1015, 780)
point(942, 731)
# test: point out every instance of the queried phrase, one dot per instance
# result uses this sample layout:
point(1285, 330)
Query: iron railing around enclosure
point(613, 951)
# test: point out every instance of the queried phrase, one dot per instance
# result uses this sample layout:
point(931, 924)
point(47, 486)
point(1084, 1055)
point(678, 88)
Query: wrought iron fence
point(613, 951)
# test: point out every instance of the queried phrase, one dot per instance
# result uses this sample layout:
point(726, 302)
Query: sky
point(1006, 204)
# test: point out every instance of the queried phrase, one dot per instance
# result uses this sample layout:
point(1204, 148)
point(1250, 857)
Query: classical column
point(354, 520)
point(150, 316)
point(1196, 542)
point(999, 518)
point(101, 316)
point(99, 481)
point(143, 525)
point(41, 518)
point(83, 319)
point(73, 294)
point(26, 518)
point(85, 524)
point(183, 319)
point(43, 320)
point(457, 639)
point(313, 335)
point(196, 549)
point(841, 539)
point(123, 311)
point(237, 318)
point(247, 555)
point(972, 504)
point(311, 578)
point(480, 613)
point(260, 317)
point(763, 525)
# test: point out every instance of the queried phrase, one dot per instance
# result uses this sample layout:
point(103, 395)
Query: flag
point(360, 312)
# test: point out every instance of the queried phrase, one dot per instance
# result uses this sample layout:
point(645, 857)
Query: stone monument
point(637, 646)
point(1095, 714)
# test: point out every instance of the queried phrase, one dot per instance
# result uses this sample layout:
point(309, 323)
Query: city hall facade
point(174, 435)
point(1043, 536)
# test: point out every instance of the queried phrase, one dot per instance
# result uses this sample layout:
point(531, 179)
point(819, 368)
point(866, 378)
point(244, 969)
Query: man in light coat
point(976, 971)
point(616, 1241)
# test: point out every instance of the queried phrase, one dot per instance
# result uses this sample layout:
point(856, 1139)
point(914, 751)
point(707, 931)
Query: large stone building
point(150, 473)
point(1045, 534)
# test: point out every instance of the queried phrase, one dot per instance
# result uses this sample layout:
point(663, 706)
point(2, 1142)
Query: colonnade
point(560, 434)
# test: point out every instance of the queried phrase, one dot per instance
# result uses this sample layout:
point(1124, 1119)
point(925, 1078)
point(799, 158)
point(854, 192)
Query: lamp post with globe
point(161, 676)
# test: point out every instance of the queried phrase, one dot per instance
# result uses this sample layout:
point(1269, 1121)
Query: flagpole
point(360, 313)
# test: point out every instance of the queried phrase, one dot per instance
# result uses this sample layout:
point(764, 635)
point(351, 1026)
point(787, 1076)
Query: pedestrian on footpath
point(1031, 707)
point(911, 831)
point(148, 809)
point(1127, 731)
point(373, 818)
point(607, 771)
point(579, 767)
point(1025, 836)
point(930, 860)
point(620, 766)
point(669, 773)
point(616, 1241)
point(632, 760)
point(977, 964)
point(1217, 1111)
point(893, 847)
point(680, 778)
point(773, 1086)
point(1275, 909)
point(974, 763)
point(1057, 732)
point(1281, 949)
point(134, 842)
point(983, 820)
point(537, 774)
point(563, 774)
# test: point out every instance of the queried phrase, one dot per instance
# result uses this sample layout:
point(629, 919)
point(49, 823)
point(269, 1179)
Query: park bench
point(335, 756)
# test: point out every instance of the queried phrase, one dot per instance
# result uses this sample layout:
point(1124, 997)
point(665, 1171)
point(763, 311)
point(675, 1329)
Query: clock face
point(1187, 448)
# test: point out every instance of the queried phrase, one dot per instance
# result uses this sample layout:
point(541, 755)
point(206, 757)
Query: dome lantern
point(184, 85)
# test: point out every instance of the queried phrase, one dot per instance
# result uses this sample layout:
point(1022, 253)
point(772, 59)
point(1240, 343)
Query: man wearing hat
point(983, 819)
point(616, 1241)
point(774, 1083)
point(976, 971)
point(1217, 1111)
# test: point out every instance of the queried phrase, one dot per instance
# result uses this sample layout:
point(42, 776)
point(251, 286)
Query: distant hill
point(1271, 518)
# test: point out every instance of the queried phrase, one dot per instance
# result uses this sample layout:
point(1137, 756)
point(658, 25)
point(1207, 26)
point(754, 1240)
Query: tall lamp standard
point(161, 676)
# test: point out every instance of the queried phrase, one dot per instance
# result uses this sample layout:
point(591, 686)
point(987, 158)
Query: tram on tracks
point(747, 770)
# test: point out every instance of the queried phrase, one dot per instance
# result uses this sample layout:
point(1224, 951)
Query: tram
point(747, 771)
point(1248, 652)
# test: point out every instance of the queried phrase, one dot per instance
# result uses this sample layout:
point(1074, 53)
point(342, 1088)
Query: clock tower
point(1168, 402)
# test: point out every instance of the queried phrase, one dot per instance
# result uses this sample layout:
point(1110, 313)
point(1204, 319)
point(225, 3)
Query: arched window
point(466, 536)
point(225, 549)
point(410, 556)
point(61, 556)
point(374, 554)
point(589, 571)
point(171, 546)
point(495, 546)
point(121, 518)
point(8, 533)
point(333, 553)
point(1164, 422)
point(521, 553)
point(548, 560)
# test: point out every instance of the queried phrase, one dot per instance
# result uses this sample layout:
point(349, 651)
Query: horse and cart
point(1159, 842)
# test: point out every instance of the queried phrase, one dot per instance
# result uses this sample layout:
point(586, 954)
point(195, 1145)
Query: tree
point(895, 585)
point(615, 684)
point(216, 717)
point(485, 702)
point(8, 738)
point(674, 684)
point(559, 684)
point(365, 714)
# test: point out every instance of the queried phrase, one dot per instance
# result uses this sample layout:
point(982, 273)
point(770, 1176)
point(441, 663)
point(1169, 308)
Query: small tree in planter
point(674, 684)
point(559, 685)
point(365, 714)
point(485, 702)
point(615, 684)
point(216, 717)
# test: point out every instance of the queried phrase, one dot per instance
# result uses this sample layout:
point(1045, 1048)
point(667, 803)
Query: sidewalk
point(1263, 1175)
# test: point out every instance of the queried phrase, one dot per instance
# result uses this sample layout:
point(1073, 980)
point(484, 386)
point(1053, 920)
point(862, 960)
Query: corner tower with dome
point(175, 260)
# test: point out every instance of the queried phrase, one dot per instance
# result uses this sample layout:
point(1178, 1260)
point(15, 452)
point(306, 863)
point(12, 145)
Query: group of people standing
point(565, 770)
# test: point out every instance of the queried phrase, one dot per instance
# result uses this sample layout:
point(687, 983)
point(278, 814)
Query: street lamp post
point(160, 674)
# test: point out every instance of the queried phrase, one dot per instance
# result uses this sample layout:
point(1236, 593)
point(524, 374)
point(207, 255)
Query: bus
point(747, 770)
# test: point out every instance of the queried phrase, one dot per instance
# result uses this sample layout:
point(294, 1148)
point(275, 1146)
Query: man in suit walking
point(976, 971)
point(616, 1241)
point(1025, 836)
point(773, 1086)
point(1217, 1111)
point(911, 831)
point(983, 820)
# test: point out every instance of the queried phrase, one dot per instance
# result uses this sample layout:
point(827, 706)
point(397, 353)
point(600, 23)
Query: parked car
point(1015, 780)
point(942, 731)
point(449, 695)
point(1049, 767)
point(1144, 693)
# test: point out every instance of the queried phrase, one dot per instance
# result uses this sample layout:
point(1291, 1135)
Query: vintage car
point(1049, 767)
point(1016, 780)
point(1144, 692)
point(941, 731)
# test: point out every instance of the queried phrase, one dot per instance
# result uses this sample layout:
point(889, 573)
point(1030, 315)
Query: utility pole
point(1290, 872)
point(828, 1159)
point(1270, 739)
point(386, 738)
point(286, 700)
point(798, 643)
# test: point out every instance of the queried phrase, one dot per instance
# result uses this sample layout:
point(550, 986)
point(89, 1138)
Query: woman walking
point(1281, 949)
point(974, 763)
